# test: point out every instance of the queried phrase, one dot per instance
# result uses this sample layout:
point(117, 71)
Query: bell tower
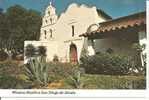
point(50, 16)
point(48, 21)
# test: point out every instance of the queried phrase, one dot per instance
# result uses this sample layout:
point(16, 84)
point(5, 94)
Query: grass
point(110, 82)
point(11, 72)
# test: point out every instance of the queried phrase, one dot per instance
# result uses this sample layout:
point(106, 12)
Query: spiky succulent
point(37, 71)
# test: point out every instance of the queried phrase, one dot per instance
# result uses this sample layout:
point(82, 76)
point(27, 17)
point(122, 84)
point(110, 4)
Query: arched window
point(51, 20)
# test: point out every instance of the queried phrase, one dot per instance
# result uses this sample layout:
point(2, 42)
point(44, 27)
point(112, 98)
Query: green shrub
point(8, 64)
point(58, 71)
point(114, 82)
point(55, 58)
point(105, 63)
point(11, 82)
point(76, 79)
point(10, 68)
point(3, 55)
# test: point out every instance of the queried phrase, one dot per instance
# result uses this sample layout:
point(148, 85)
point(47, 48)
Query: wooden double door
point(73, 53)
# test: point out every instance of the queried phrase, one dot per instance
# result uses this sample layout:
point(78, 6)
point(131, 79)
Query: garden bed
point(12, 76)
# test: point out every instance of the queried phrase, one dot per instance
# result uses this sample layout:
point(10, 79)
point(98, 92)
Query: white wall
point(81, 17)
point(142, 41)
point(51, 46)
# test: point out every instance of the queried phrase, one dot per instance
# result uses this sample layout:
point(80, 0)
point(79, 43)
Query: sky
point(114, 8)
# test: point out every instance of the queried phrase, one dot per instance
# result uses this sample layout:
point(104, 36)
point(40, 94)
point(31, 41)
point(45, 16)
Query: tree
point(1, 10)
point(42, 50)
point(18, 24)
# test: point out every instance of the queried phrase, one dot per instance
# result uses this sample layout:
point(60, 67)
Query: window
point(51, 20)
point(49, 12)
point(45, 33)
point(51, 33)
point(72, 30)
point(46, 21)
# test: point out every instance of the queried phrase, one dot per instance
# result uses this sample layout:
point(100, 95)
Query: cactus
point(77, 78)
point(37, 71)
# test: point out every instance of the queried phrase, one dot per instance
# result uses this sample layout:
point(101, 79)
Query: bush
point(59, 71)
point(10, 68)
point(55, 58)
point(11, 82)
point(42, 51)
point(9, 76)
point(105, 63)
point(114, 82)
point(3, 55)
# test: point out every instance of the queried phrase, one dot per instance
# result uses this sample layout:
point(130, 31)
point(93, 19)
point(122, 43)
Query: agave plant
point(37, 71)
point(76, 77)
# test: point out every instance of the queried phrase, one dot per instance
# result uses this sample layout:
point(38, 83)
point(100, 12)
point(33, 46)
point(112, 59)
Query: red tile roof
point(137, 19)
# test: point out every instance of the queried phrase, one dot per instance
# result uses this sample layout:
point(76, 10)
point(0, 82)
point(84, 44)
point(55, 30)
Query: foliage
point(12, 82)
point(76, 79)
point(3, 55)
point(9, 76)
point(109, 50)
point(105, 63)
point(58, 71)
point(109, 82)
point(138, 56)
point(9, 72)
point(10, 68)
point(55, 58)
point(42, 51)
point(18, 24)
point(62, 75)
point(29, 51)
point(7, 82)
point(137, 47)
point(114, 82)
point(37, 72)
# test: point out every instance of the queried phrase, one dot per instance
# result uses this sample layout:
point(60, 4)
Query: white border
point(88, 93)
point(77, 93)
point(147, 26)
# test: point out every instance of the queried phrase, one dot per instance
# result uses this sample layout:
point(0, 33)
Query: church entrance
point(73, 53)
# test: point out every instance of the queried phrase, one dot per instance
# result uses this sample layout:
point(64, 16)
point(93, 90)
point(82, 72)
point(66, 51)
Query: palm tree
point(29, 51)
point(42, 52)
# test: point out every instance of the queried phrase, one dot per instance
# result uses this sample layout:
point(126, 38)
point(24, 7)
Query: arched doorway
point(73, 53)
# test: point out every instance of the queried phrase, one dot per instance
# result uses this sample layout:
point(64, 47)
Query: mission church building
point(82, 27)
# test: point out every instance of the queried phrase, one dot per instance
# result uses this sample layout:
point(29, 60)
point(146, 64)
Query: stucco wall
point(51, 46)
point(79, 16)
point(143, 41)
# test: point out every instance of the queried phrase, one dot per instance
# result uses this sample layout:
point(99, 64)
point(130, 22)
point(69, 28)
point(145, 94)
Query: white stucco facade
point(143, 41)
point(57, 34)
